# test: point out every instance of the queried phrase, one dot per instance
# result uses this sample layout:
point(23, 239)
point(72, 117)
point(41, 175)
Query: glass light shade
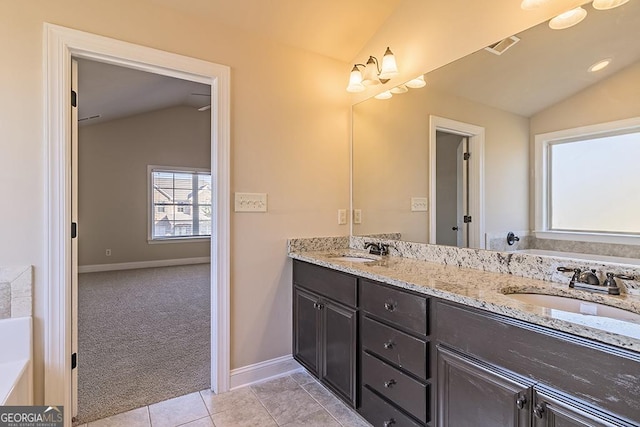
point(532, 4)
point(370, 77)
point(399, 89)
point(607, 4)
point(416, 83)
point(384, 95)
point(355, 80)
point(389, 66)
point(568, 19)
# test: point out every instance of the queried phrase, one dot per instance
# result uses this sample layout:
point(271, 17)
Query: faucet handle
point(623, 276)
point(576, 274)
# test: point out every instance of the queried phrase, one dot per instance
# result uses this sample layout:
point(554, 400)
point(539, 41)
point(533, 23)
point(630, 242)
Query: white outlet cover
point(250, 202)
point(342, 216)
point(357, 216)
point(419, 204)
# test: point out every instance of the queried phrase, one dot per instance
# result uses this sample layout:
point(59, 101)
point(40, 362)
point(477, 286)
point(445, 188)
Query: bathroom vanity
point(409, 342)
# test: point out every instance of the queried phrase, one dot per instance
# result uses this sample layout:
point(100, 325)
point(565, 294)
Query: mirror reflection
point(408, 180)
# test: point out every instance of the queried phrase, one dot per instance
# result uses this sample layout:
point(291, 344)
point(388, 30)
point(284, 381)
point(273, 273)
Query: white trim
point(541, 177)
point(142, 264)
point(60, 45)
point(262, 371)
point(476, 176)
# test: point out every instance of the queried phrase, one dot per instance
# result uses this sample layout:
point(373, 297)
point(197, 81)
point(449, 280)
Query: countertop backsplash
point(16, 291)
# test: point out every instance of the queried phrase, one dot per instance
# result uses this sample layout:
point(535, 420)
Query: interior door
point(74, 239)
point(462, 202)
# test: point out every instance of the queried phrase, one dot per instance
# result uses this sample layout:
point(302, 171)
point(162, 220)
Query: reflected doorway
point(452, 189)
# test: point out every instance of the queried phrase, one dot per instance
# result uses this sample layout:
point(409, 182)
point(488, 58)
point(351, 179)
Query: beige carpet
point(144, 336)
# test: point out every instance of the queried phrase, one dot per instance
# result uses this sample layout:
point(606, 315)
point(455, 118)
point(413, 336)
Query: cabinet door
point(549, 411)
point(474, 394)
point(339, 349)
point(306, 329)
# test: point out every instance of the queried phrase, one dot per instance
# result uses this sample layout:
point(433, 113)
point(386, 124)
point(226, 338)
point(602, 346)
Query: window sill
point(619, 239)
point(179, 240)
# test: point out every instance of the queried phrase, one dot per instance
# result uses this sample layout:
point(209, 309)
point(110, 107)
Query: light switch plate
point(342, 216)
point(357, 216)
point(250, 202)
point(419, 204)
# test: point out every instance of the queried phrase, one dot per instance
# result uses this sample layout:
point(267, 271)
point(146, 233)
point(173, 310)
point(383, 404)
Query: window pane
point(175, 196)
point(595, 183)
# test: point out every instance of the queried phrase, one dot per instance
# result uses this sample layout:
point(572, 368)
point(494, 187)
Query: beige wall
point(289, 130)
point(113, 185)
point(391, 161)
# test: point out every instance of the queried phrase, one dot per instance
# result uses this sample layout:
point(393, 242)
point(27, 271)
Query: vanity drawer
point(404, 391)
point(401, 349)
point(396, 306)
point(326, 282)
point(382, 414)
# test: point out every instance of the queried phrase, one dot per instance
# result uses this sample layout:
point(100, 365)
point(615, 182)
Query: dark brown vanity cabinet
point(394, 364)
point(325, 325)
point(493, 370)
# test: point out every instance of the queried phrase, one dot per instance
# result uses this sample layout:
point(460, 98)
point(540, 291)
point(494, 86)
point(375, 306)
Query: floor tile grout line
point(205, 403)
point(263, 405)
point(321, 405)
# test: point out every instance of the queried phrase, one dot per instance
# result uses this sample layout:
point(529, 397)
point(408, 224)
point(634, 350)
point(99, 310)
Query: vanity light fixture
point(399, 89)
point(568, 19)
point(600, 65)
point(532, 4)
point(384, 95)
point(416, 83)
point(374, 72)
point(607, 4)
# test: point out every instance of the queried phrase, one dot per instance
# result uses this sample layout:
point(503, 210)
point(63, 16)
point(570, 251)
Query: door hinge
point(74, 98)
point(466, 156)
point(74, 360)
point(74, 230)
point(467, 219)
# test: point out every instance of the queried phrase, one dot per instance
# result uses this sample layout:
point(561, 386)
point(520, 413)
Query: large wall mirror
point(541, 83)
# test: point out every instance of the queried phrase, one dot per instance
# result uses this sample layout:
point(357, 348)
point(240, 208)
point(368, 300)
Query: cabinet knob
point(538, 411)
point(317, 306)
point(521, 402)
point(389, 306)
point(390, 383)
point(388, 345)
point(389, 422)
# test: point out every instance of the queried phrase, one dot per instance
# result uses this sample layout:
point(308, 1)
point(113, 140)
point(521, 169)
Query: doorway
point(143, 309)
point(452, 189)
point(61, 44)
point(456, 187)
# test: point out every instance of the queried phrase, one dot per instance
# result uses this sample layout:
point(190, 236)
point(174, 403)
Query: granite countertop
point(489, 291)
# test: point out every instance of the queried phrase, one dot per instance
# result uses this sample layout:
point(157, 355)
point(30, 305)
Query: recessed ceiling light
point(607, 4)
point(532, 4)
point(568, 19)
point(599, 65)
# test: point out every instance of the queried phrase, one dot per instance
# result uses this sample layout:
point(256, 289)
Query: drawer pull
point(388, 345)
point(389, 422)
point(389, 306)
point(318, 306)
point(390, 383)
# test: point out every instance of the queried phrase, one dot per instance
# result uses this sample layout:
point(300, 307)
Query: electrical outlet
point(251, 202)
point(419, 204)
point(357, 216)
point(107, 252)
point(342, 216)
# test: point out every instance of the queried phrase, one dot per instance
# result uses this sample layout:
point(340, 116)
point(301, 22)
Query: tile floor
point(293, 400)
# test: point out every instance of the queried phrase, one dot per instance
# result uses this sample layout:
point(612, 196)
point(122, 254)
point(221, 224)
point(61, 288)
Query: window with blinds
point(180, 203)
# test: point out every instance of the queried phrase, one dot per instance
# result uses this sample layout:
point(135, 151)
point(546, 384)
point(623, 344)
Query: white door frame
point(60, 45)
point(476, 176)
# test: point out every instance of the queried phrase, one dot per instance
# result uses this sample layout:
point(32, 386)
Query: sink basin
point(572, 305)
point(352, 258)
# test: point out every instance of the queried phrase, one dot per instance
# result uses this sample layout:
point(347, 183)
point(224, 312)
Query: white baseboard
point(142, 264)
point(262, 371)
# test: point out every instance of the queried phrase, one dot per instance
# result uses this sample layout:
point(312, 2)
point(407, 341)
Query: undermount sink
point(352, 258)
point(572, 305)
